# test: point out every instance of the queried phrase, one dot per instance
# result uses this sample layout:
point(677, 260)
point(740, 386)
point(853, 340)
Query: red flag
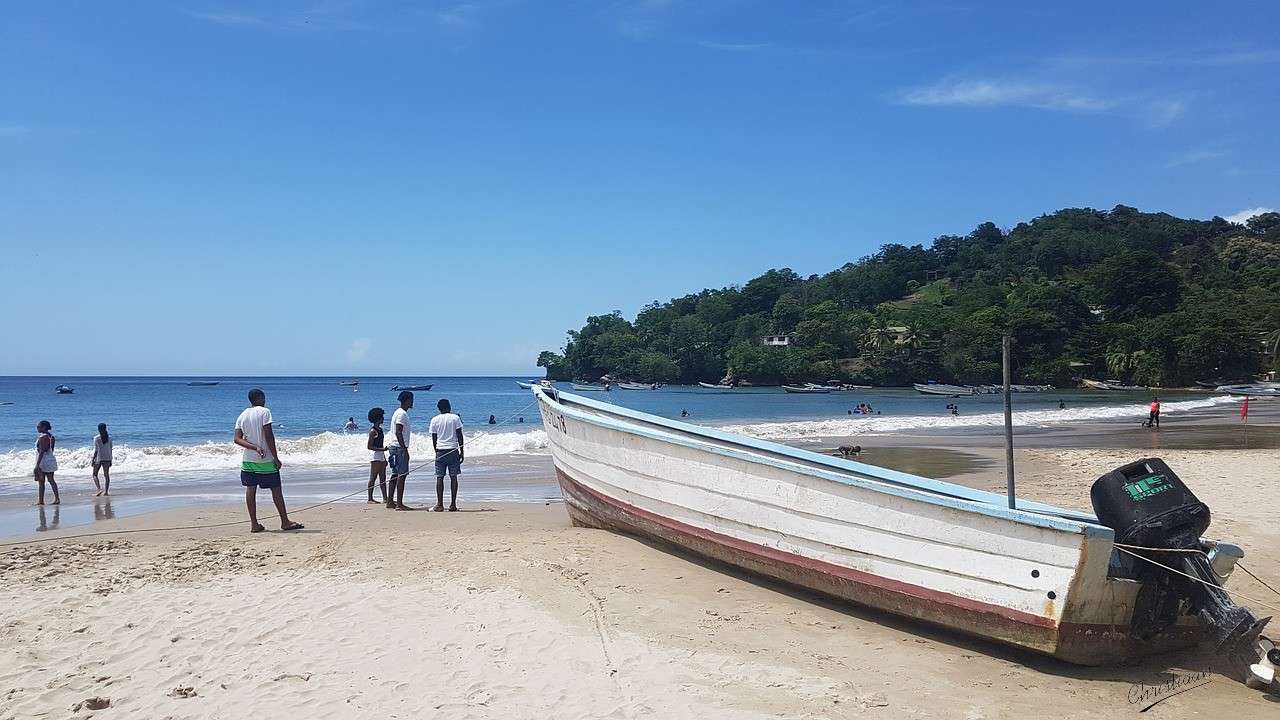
point(1244, 410)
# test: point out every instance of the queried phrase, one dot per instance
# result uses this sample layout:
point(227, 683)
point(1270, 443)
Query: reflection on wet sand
point(102, 509)
point(45, 524)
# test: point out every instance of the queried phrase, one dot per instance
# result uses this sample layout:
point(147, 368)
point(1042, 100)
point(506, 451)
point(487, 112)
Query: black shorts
point(263, 480)
point(103, 463)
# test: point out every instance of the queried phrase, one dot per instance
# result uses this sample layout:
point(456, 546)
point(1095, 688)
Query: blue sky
point(439, 187)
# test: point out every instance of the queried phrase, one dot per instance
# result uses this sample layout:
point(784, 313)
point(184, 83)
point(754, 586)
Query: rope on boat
point(207, 526)
point(1198, 551)
point(1125, 549)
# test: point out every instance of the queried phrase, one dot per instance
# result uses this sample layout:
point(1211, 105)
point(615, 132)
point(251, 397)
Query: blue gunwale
point(900, 484)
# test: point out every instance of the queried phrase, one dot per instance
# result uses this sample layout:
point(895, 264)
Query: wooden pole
point(1008, 418)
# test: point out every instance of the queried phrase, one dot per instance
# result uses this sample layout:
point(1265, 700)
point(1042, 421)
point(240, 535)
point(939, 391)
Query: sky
point(358, 187)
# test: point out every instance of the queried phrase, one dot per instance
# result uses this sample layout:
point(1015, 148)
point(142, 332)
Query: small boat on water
point(1111, 385)
point(413, 388)
point(806, 389)
point(711, 386)
point(1257, 390)
point(532, 384)
point(348, 383)
point(943, 389)
point(64, 389)
point(586, 387)
point(1039, 577)
point(637, 386)
point(202, 383)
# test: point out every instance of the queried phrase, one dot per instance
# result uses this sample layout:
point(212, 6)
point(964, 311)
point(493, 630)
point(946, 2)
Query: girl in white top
point(377, 455)
point(102, 459)
point(46, 463)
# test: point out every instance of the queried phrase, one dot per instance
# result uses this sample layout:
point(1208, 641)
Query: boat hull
point(944, 390)
point(888, 551)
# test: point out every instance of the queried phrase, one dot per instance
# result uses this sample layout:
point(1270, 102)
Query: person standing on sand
point(260, 462)
point(1154, 420)
point(102, 460)
point(398, 451)
point(446, 439)
point(378, 458)
point(46, 463)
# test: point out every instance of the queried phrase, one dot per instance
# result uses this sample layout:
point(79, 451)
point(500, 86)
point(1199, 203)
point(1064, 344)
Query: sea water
point(166, 425)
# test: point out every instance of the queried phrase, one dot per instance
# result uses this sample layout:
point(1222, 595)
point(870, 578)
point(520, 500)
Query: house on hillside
point(776, 340)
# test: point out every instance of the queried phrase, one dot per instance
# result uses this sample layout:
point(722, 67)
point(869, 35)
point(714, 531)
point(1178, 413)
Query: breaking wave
point(326, 448)
point(1027, 418)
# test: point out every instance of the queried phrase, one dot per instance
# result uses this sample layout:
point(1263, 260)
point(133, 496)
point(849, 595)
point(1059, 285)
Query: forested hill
point(1142, 297)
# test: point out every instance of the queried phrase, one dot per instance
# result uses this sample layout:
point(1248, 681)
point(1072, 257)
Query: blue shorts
point(266, 481)
point(397, 460)
point(448, 461)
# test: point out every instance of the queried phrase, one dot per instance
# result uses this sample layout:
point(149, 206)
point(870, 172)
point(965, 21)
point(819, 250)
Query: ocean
point(164, 425)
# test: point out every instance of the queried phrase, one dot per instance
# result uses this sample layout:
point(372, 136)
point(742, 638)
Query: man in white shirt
point(398, 451)
point(446, 438)
point(260, 463)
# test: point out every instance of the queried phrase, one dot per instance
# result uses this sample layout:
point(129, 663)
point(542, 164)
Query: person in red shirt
point(1154, 420)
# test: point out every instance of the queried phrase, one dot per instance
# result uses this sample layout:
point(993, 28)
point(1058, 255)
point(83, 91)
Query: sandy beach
point(510, 612)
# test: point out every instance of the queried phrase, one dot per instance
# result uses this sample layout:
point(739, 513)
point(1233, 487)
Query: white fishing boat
point(711, 386)
point(1258, 390)
point(1111, 385)
point(943, 389)
point(64, 390)
point(636, 386)
point(585, 387)
point(806, 389)
point(1038, 577)
point(349, 383)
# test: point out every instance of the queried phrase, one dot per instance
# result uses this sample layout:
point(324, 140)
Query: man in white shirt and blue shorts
point(446, 438)
point(260, 463)
point(398, 451)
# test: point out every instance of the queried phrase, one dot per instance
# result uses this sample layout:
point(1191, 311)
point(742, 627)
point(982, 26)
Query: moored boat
point(586, 387)
point(202, 383)
point(1258, 390)
point(64, 390)
point(1039, 577)
point(943, 389)
point(806, 389)
point(1111, 385)
point(348, 383)
point(637, 386)
point(711, 386)
point(413, 388)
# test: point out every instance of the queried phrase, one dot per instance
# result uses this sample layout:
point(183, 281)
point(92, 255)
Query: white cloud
point(1194, 156)
point(227, 18)
point(732, 47)
point(358, 350)
point(1243, 216)
point(995, 93)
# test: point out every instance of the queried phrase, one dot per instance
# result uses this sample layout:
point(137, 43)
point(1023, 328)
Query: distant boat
point(942, 389)
point(348, 383)
point(1252, 389)
point(64, 390)
point(589, 388)
point(709, 386)
point(203, 383)
point(525, 385)
point(636, 386)
point(1111, 385)
point(806, 389)
point(422, 388)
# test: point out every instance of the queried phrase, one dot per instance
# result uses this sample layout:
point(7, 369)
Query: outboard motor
point(1148, 506)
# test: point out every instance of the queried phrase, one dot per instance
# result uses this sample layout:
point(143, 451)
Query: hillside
point(1143, 297)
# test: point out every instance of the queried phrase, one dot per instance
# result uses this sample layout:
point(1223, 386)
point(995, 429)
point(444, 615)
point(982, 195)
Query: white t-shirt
point(399, 417)
point(101, 450)
point(443, 426)
point(252, 423)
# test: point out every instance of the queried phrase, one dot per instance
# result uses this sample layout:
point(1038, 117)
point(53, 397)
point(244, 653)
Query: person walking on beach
point(46, 463)
point(398, 451)
point(260, 462)
point(378, 458)
point(102, 460)
point(1154, 420)
point(446, 439)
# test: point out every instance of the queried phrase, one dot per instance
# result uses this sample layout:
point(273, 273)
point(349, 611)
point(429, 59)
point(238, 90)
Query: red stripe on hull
point(1077, 643)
